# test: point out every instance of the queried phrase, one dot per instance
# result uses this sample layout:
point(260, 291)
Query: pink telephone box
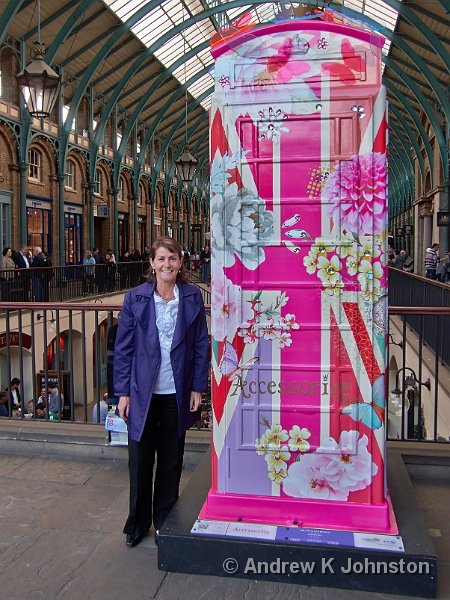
point(299, 296)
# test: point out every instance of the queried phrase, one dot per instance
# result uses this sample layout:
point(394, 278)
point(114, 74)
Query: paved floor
point(60, 537)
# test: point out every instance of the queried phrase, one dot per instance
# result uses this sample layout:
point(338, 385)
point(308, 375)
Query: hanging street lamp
point(39, 84)
point(186, 164)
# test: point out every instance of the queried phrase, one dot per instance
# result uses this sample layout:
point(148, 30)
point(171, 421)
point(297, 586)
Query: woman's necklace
point(167, 297)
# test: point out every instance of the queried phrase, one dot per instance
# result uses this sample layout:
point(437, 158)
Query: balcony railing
point(64, 347)
point(407, 289)
point(72, 345)
point(421, 411)
point(62, 284)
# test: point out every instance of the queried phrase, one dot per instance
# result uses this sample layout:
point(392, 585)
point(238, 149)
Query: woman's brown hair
point(172, 246)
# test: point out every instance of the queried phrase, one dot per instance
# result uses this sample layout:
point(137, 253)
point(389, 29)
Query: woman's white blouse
point(166, 319)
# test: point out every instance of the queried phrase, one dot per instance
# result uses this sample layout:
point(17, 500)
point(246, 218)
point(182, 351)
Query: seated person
point(40, 410)
point(42, 400)
point(14, 393)
point(4, 404)
point(54, 400)
point(103, 410)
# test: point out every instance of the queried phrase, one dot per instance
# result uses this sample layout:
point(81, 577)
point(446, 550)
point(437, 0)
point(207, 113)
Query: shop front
point(39, 223)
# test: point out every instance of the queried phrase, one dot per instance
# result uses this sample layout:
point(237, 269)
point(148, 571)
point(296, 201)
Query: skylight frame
point(171, 13)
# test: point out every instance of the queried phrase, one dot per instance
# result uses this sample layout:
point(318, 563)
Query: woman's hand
point(196, 400)
point(124, 407)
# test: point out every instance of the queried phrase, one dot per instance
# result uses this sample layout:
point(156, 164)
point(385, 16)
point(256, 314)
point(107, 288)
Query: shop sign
point(101, 211)
point(14, 340)
point(409, 229)
point(74, 209)
point(400, 232)
point(443, 219)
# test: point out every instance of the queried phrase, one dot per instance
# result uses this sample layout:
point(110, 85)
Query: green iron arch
point(417, 122)
point(401, 142)
point(412, 139)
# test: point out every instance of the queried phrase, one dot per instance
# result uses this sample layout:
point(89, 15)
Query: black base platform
point(412, 573)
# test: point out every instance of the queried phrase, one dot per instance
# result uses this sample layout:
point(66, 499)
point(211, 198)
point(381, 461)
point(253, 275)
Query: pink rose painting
point(333, 471)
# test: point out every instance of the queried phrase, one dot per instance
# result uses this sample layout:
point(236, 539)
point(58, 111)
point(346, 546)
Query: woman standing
point(7, 279)
point(161, 362)
point(7, 259)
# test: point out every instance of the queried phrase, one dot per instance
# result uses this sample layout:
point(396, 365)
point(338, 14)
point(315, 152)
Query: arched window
point(70, 174)
point(98, 182)
point(120, 196)
point(34, 164)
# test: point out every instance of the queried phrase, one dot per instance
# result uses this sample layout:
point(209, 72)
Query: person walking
point(431, 261)
point(89, 266)
point(38, 277)
point(205, 264)
point(161, 362)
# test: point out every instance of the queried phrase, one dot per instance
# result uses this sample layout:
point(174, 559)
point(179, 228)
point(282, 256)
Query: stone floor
point(61, 537)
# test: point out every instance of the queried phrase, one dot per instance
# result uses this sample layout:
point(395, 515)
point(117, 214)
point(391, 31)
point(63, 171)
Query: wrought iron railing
point(62, 284)
point(408, 289)
point(418, 402)
point(72, 345)
point(68, 347)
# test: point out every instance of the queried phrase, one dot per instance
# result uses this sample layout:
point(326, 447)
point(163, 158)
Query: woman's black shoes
point(133, 540)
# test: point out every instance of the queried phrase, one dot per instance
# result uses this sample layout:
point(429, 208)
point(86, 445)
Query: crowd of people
point(437, 267)
point(11, 402)
point(17, 283)
point(201, 263)
point(400, 259)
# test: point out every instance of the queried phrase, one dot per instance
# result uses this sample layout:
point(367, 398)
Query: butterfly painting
point(229, 365)
point(353, 63)
point(371, 414)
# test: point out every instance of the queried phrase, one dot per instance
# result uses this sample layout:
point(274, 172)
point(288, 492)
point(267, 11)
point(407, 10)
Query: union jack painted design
point(298, 218)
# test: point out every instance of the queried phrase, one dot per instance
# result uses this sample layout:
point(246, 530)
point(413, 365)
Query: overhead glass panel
point(173, 13)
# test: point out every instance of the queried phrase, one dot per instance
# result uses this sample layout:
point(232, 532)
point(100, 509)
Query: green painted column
point(23, 203)
point(152, 221)
point(135, 220)
point(61, 217)
point(91, 214)
point(115, 223)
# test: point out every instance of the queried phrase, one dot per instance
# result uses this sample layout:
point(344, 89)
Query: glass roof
point(170, 13)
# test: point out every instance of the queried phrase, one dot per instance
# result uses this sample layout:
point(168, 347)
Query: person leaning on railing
point(7, 259)
point(7, 279)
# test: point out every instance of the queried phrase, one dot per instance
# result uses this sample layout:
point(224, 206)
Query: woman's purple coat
point(137, 355)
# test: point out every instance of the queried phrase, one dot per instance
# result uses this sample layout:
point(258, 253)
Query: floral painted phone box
point(299, 296)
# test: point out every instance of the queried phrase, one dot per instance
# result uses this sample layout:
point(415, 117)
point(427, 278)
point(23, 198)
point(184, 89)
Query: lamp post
point(400, 343)
point(399, 405)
